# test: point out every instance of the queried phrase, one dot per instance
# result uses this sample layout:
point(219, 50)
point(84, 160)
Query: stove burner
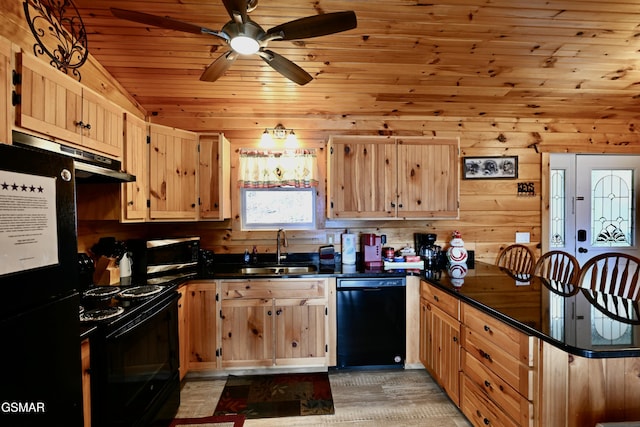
point(101, 292)
point(140, 291)
point(101, 314)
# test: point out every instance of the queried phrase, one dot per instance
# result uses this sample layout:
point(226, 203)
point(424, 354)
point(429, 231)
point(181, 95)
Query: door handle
point(583, 250)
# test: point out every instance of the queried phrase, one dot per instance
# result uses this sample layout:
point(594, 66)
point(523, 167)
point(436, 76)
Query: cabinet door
point(247, 333)
point(214, 177)
point(448, 352)
point(136, 162)
point(361, 178)
point(427, 178)
point(103, 124)
point(61, 115)
point(173, 160)
point(85, 355)
point(427, 347)
point(5, 90)
point(202, 326)
point(183, 336)
point(300, 331)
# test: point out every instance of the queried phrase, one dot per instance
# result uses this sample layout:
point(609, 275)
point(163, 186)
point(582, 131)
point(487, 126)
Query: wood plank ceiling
point(455, 58)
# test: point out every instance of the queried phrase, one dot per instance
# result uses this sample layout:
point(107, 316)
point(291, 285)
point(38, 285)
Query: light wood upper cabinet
point(71, 113)
point(136, 162)
point(361, 177)
point(427, 177)
point(392, 177)
point(5, 90)
point(214, 177)
point(173, 162)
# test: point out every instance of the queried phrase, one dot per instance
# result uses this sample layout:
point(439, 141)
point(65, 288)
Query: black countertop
point(528, 305)
point(531, 306)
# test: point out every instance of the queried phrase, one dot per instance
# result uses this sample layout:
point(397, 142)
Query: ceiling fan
point(246, 37)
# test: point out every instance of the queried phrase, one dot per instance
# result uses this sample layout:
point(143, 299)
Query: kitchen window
point(278, 189)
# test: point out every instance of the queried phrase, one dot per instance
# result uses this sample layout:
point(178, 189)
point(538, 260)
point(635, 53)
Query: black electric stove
point(134, 353)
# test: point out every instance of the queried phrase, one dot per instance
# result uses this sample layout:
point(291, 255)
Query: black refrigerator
point(41, 379)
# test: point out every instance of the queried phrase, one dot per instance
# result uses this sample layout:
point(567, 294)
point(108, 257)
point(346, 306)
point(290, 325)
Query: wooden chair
point(612, 273)
point(558, 265)
point(559, 271)
point(517, 258)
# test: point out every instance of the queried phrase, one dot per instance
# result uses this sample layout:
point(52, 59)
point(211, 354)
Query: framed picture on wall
point(488, 167)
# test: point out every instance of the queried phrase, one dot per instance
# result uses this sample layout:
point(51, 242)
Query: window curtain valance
point(269, 169)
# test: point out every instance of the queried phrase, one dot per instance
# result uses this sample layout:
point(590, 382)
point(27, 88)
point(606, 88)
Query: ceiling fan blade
point(217, 68)
point(237, 9)
point(162, 22)
point(315, 26)
point(285, 67)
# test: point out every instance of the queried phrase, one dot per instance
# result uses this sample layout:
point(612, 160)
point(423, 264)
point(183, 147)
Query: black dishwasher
point(371, 323)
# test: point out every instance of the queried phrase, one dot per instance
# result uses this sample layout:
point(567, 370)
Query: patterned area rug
point(278, 395)
point(233, 420)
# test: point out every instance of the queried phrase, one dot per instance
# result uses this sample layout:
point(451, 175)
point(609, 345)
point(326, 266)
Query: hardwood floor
point(361, 398)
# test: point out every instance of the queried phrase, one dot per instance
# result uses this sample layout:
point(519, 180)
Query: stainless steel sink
point(278, 269)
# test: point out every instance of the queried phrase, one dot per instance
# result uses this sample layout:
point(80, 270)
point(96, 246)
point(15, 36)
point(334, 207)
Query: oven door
point(142, 380)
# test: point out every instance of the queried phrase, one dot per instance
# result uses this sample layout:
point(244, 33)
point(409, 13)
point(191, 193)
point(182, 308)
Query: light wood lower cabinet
point(501, 363)
point(85, 355)
point(201, 300)
point(488, 368)
point(440, 345)
point(274, 322)
point(183, 337)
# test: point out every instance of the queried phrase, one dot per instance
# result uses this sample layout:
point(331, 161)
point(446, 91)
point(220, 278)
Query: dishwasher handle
point(370, 283)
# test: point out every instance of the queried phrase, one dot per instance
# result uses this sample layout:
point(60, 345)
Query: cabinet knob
point(486, 421)
point(278, 313)
point(435, 297)
point(487, 383)
point(487, 328)
point(269, 313)
point(83, 125)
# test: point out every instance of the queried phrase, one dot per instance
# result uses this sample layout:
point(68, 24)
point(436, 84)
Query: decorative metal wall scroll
point(59, 32)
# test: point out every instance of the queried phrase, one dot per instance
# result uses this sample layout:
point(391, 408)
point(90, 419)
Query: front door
point(594, 209)
point(606, 205)
point(594, 204)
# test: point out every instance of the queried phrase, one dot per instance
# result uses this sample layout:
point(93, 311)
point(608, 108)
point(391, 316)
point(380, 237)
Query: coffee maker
point(371, 251)
point(428, 250)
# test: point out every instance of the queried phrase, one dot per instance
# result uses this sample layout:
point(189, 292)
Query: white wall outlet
point(330, 238)
point(523, 237)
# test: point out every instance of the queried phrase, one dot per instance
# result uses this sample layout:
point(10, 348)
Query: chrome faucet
point(279, 255)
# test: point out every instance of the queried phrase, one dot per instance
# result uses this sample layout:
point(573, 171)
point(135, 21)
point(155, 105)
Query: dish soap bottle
point(254, 255)
point(246, 256)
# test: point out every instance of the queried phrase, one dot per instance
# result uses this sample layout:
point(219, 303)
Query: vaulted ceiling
point(452, 58)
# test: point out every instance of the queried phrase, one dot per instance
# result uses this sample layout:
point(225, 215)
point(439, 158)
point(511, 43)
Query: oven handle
point(140, 320)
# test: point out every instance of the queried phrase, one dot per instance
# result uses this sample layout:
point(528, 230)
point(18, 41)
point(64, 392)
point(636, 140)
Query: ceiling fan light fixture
point(244, 45)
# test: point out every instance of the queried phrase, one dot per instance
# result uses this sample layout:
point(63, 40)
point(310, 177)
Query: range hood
point(89, 167)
